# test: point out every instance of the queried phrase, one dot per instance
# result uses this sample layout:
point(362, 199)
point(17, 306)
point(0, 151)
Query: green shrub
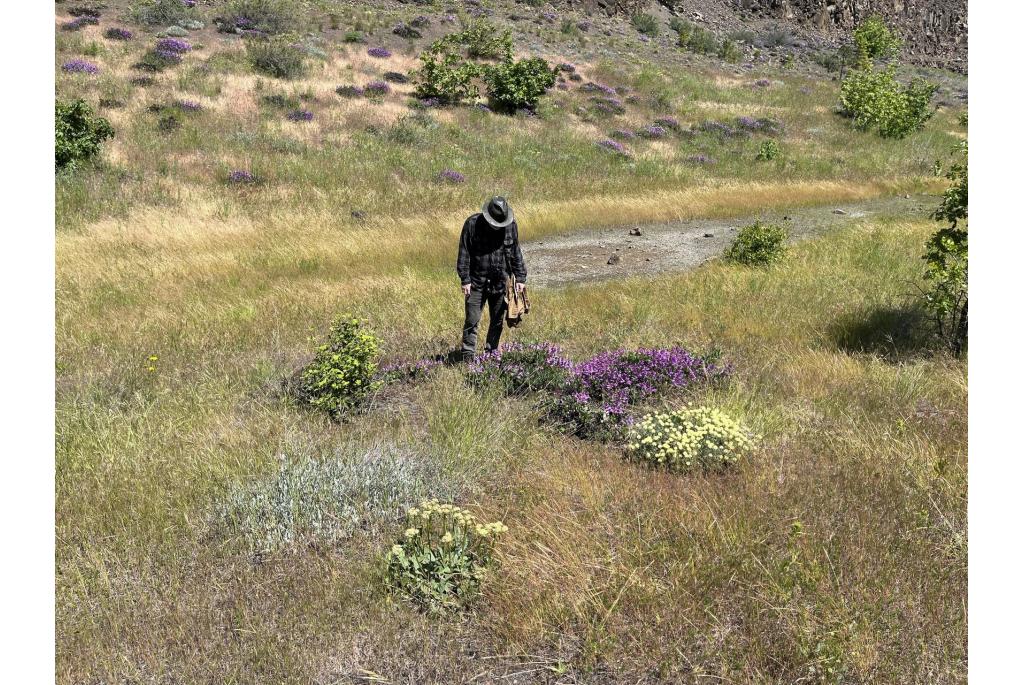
point(175, 31)
point(160, 12)
point(277, 56)
point(354, 37)
point(758, 244)
point(442, 557)
point(729, 51)
point(768, 150)
point(701, 438)
point(446, 75)
point(645, 24)
point(518, 85)
point(341, 376)
point(482, 41)
point(875, 40)
point(270, 16)
point(698, 40)
point(77, 133)
point(874, 99)
point(946, 259)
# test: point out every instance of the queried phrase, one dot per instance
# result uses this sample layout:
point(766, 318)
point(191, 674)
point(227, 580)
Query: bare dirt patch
point(590, 255)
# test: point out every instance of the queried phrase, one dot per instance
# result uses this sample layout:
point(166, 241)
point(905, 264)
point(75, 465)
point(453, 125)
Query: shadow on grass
point(894, 333)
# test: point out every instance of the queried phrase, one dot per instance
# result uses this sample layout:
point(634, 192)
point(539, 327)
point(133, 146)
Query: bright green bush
point(768, 150)
point(77, 133)
point(946, 259)
point(446, 75)
point(277, 56)
point(520, 84)
point(758, 244)
point(875, 40)
point(729, 51)
point(645, 24)
point(704, 438)
point(874, 99)
point(341, 375)
point(483, 41)
point(442, 557)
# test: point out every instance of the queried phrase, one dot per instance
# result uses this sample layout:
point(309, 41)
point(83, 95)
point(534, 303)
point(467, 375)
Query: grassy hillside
point(835, 553)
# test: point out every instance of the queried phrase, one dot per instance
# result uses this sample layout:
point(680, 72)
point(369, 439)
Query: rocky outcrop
point(934, 31)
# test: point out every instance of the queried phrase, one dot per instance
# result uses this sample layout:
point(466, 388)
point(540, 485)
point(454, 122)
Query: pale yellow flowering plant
point(703, 437)
point(442, 556)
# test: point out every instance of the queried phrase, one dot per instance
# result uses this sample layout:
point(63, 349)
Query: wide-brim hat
point(497, 212)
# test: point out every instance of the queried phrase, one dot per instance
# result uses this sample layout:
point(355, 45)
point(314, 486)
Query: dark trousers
point(474, 310)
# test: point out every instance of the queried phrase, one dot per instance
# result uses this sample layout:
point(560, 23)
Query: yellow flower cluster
point(703, 437)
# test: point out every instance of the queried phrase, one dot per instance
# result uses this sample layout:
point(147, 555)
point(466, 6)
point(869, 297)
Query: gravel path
point(589, 255)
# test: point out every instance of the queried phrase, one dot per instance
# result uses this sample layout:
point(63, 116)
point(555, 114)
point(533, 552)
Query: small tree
point(946, 259)
point(517, 85)
point(77, 133)
point(875, 40)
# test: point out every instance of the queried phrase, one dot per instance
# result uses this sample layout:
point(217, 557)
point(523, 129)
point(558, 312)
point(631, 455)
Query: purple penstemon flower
point(379, 52)
point(188, 105)
point(670, 123)
point(652, 131)
point(700, 159)
point(300, 115)
point(451, 176)
point(349, 91)
point(762, 83)
point(614, 146)
point(176, 45)
point(377, 88)
point(241, 176)
point(80, 66)
point(117, 33)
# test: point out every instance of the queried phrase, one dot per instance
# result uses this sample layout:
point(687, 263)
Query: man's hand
point(466, 288)
point(520, 287)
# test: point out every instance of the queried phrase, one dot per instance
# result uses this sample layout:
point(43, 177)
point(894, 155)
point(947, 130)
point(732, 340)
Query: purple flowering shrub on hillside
point(521, 368)
point(116, 33)
point(597, 401)
point(376, 89)
point(300, 115)
point(80, 22)
point(176, 45)
point(451, 176)
point(652, 132)
point(594, 398)
point(80, 66)
point(614, 146)
point(407, 371)
point(381, 53)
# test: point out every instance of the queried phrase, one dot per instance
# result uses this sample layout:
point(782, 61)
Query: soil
point(589, 255)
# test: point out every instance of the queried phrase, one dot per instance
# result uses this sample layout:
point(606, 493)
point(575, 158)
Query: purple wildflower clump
point(598, 398)
point(167, 57)
point(407, 371)
point(80, 22)
point(762, 83)
point(80, 66)
point(188, 106)
point(175, 45)
point(376, 89)
point(448, 19)
point(591, 87)
point(652, 132)
point(117, 33)
point(671, 123)
point(608, 105)
point(300, 115)
point(723, 130)
point(765, 125)
point(548, 16)
point(623, 134)
point(349, 91)
point(450, 176)
point(614, 146)
point(567, 67)
point(520, 368)
point(241, 177)
point(379, 52)
point(700, 159)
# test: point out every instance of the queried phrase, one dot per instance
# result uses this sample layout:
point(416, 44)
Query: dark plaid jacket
point(482, 255)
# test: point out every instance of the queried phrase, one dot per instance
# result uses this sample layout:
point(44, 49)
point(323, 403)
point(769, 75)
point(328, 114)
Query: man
point(488, 253)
